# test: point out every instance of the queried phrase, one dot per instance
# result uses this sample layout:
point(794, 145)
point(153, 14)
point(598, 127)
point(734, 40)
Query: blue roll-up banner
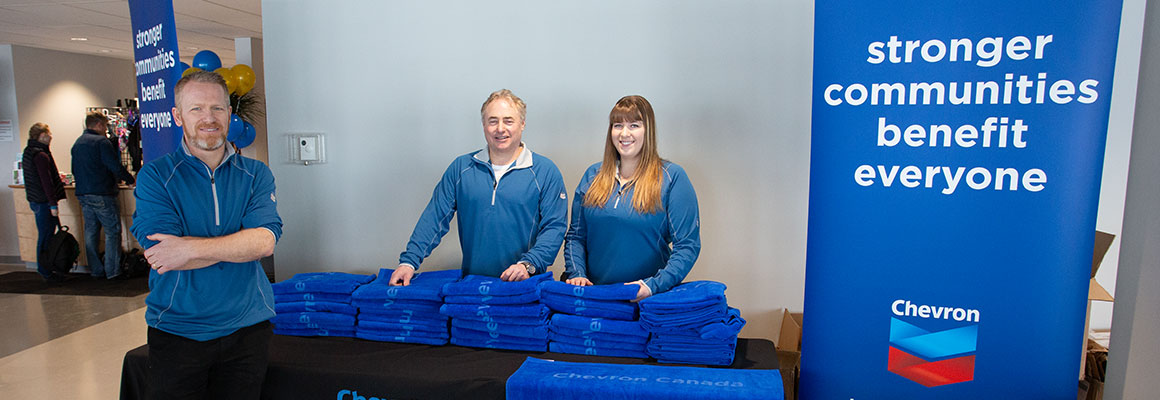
point(954, 179)
point(158, 66)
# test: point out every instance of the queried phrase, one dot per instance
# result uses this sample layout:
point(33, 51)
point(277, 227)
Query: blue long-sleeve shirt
point(616, 243)
point(178, 194)
point(520, 217)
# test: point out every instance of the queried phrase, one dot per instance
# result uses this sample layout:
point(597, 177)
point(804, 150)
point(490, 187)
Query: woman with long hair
point(634, 215)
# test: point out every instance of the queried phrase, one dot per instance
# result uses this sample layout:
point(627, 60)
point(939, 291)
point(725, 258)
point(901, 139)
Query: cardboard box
point(1096, 292)
point(789, 352)
point(790, 338)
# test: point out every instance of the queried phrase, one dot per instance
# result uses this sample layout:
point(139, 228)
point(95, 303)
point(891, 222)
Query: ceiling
point(53, 24)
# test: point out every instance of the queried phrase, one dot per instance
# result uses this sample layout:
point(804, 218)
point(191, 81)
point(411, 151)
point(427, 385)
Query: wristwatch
point(527, 265)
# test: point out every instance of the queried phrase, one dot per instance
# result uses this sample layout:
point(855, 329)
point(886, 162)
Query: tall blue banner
point(954, 179)
point(156, 59)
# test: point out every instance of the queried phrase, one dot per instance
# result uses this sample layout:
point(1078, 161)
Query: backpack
point(61, 251)
point(134, 264)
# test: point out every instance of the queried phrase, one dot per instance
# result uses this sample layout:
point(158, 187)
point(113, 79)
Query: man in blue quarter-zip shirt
point(205, 215)
point(510, 202)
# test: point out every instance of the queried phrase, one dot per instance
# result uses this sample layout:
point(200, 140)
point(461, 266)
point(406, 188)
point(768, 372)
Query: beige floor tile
point(82, 365)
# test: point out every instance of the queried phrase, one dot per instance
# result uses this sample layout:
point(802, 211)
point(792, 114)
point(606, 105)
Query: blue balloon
point(237, 128)
point(207, 60)
point(247, 137)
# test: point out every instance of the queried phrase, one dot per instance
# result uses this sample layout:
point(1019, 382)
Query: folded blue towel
point(587, 324)
point(689, 319)
point(426, 286)
point(387, 328)
point(368, 335)
point(692, 353)
point(322, 282)
point(404, 318)
point(485, 310)
point(596, 292)
point(601, 336)
point(501, 344)
point(692, 344)
point(527, 321)
point(397, 315)
point(473, 334)
point(558, 347)
point(327, 297)
point(314, 332)
point(433, 326)
point(317, 318)
point(525, 331)
point(561, 380)
point(597, 343)
point(416, 306)
point(726, 329)
point(315, 306)
point(729, 328)
point(477, 285)
point(700, 358)
point(576, 302)
point(685, 296)
point(525, 298)
point(563, 304)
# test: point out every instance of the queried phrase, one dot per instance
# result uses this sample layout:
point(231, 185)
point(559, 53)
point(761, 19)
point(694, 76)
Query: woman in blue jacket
point(634, 215)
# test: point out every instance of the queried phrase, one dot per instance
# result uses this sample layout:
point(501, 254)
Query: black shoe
point(121, 277)
point(55, 279)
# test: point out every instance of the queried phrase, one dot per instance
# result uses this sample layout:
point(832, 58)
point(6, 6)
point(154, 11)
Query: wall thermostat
point(307, 148)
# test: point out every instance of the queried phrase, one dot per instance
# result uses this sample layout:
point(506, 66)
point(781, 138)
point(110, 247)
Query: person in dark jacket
point(44, 189)
point(96, 164)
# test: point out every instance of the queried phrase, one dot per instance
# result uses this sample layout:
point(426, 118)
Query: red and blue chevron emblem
point(932, 358)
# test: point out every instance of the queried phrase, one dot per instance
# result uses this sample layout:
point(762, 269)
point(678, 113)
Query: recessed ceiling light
point(79, 39)
point(192, 48)
point(105, 51)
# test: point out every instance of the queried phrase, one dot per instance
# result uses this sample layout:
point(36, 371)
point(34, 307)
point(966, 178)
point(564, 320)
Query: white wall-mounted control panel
point(307, 148)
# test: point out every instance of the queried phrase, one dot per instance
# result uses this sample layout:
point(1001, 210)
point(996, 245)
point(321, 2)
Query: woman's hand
point(579, 281)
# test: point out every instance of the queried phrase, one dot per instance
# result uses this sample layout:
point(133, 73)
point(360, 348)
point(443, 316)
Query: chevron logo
point(932, 358)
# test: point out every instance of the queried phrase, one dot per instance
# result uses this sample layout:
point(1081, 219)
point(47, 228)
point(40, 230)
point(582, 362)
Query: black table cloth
point(325, 367)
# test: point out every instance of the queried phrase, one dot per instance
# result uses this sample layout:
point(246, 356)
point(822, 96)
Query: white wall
point(54, 87)
point(9, 152)
point(396, 88)
point(1115, 177)
point(1131, 371)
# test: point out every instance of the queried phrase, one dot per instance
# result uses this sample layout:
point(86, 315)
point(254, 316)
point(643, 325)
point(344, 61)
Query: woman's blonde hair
point(646, 197)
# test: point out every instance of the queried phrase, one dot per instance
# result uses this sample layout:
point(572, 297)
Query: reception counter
point(70, 216)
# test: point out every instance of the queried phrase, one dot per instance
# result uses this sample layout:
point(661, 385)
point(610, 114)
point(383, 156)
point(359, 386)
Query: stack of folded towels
point(594, 320)
point(316, 304)
point(597, 336)
point(600, 301)
point(692, 324)
point(404, 314)
point(488, 312)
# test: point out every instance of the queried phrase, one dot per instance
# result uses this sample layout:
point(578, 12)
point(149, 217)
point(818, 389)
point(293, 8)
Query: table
point(337, 368)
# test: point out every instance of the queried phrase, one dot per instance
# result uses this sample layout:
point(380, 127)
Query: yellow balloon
point(229, 77)
point(244, 75)
point(189, 70)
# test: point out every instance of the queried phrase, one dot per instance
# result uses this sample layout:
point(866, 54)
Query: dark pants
point(230, 367)
point(45, 226)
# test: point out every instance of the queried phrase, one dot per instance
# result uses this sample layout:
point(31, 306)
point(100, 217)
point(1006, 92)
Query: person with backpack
point(44, 189)
point(97, 166)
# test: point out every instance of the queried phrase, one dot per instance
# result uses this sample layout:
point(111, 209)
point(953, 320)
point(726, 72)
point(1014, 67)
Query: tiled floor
point(66, 347)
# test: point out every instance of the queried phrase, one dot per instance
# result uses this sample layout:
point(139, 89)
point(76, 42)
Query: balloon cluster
point(239, 81)
point(239, 78)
